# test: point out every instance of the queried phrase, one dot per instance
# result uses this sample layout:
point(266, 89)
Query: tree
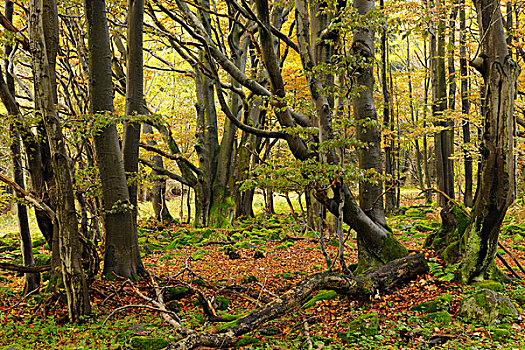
point(496, 188)
point(121, 251)
point(32, 280)
point(68, 239)
point(367, 130)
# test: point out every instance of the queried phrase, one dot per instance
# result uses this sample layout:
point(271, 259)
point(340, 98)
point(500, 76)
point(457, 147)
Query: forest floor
point(264, 257)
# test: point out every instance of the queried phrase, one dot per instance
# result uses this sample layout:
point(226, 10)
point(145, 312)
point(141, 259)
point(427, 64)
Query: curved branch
point(176, 157)
point(165, 172)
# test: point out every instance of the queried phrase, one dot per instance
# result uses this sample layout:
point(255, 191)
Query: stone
point(487, 306)
point(147, 343)
point(364, 325)
point(441, 303)
point(441, 317)
point(500, 334)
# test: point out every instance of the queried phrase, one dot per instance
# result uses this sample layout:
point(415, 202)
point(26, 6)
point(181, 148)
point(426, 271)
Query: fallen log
point(383, 279)
point(25, 269)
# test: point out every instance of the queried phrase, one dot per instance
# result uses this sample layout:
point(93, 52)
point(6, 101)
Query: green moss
point(500, 334)
point(246, 341)
point(451, 253)
point(147, 343)
point(222, 302)
point(489, 284)
point(364, 325)
point(441, 317)
point(222, 211)
point(441, 303)
point(176, 293)
point(227, 325)
point(391, 249)
point(321, 295)
point(249, 279)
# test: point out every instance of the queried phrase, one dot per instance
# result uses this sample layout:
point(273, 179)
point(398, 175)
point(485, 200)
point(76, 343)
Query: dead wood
point(383, 279)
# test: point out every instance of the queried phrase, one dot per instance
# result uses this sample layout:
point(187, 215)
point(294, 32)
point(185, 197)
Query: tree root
point(383, 279)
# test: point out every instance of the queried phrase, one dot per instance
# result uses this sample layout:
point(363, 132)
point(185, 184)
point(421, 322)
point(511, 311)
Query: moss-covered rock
point(486, 306)
point(364, 325)
point(489, 284)
point(441, 317)
point(441, 303)
point(147, 343)
point(500, 334)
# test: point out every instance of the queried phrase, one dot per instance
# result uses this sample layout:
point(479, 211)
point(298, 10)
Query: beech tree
point(121, 254)
point(497, 187)
point(68, 239)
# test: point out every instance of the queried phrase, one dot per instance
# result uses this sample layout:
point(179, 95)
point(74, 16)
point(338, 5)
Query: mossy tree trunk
point(68, 239)
point(496, 188)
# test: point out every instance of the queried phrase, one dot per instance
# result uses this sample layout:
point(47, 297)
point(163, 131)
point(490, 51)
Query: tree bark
point(32, 280)
point(443, 138)
point(121, 252)
point(367, 126)
point(468, 199)
point(134, 100)
point(68, 239)
point(497, 187)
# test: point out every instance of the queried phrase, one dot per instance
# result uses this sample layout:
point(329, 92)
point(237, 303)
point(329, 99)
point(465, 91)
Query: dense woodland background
point(222, 129)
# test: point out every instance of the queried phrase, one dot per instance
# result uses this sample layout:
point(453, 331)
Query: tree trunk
point(68, 239)
point(158, 195)
point(32, 280)
point(387, 121)
point(468, 199)
point(443, 139)
point(367, 128)
point(222, 208)
point(496, 188)
point(134, 100)
point(121, 252)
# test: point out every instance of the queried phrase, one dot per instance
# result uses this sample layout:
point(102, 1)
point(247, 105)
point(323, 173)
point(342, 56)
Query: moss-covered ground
point(271, 255)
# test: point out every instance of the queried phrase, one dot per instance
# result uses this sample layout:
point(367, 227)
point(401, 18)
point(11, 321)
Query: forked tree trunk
point(496, 188)
point(32, 280)
point(68, 239)
point(122, 253)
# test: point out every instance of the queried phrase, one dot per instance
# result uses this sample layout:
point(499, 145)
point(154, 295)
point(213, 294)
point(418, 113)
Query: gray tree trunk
point(68, 239)
point(444, 138)
point(468, 199)
point(121, 252)
point(32, 280)
point(497, 187)
point(134, 100)
point(367, 127)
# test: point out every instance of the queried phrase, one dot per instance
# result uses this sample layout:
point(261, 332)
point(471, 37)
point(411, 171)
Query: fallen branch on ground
point(382, 279)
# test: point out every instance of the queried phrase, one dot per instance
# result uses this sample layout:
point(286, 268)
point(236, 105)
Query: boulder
point(441, 303)
point(487, 306)
point(364, 325)
point(147, 343)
